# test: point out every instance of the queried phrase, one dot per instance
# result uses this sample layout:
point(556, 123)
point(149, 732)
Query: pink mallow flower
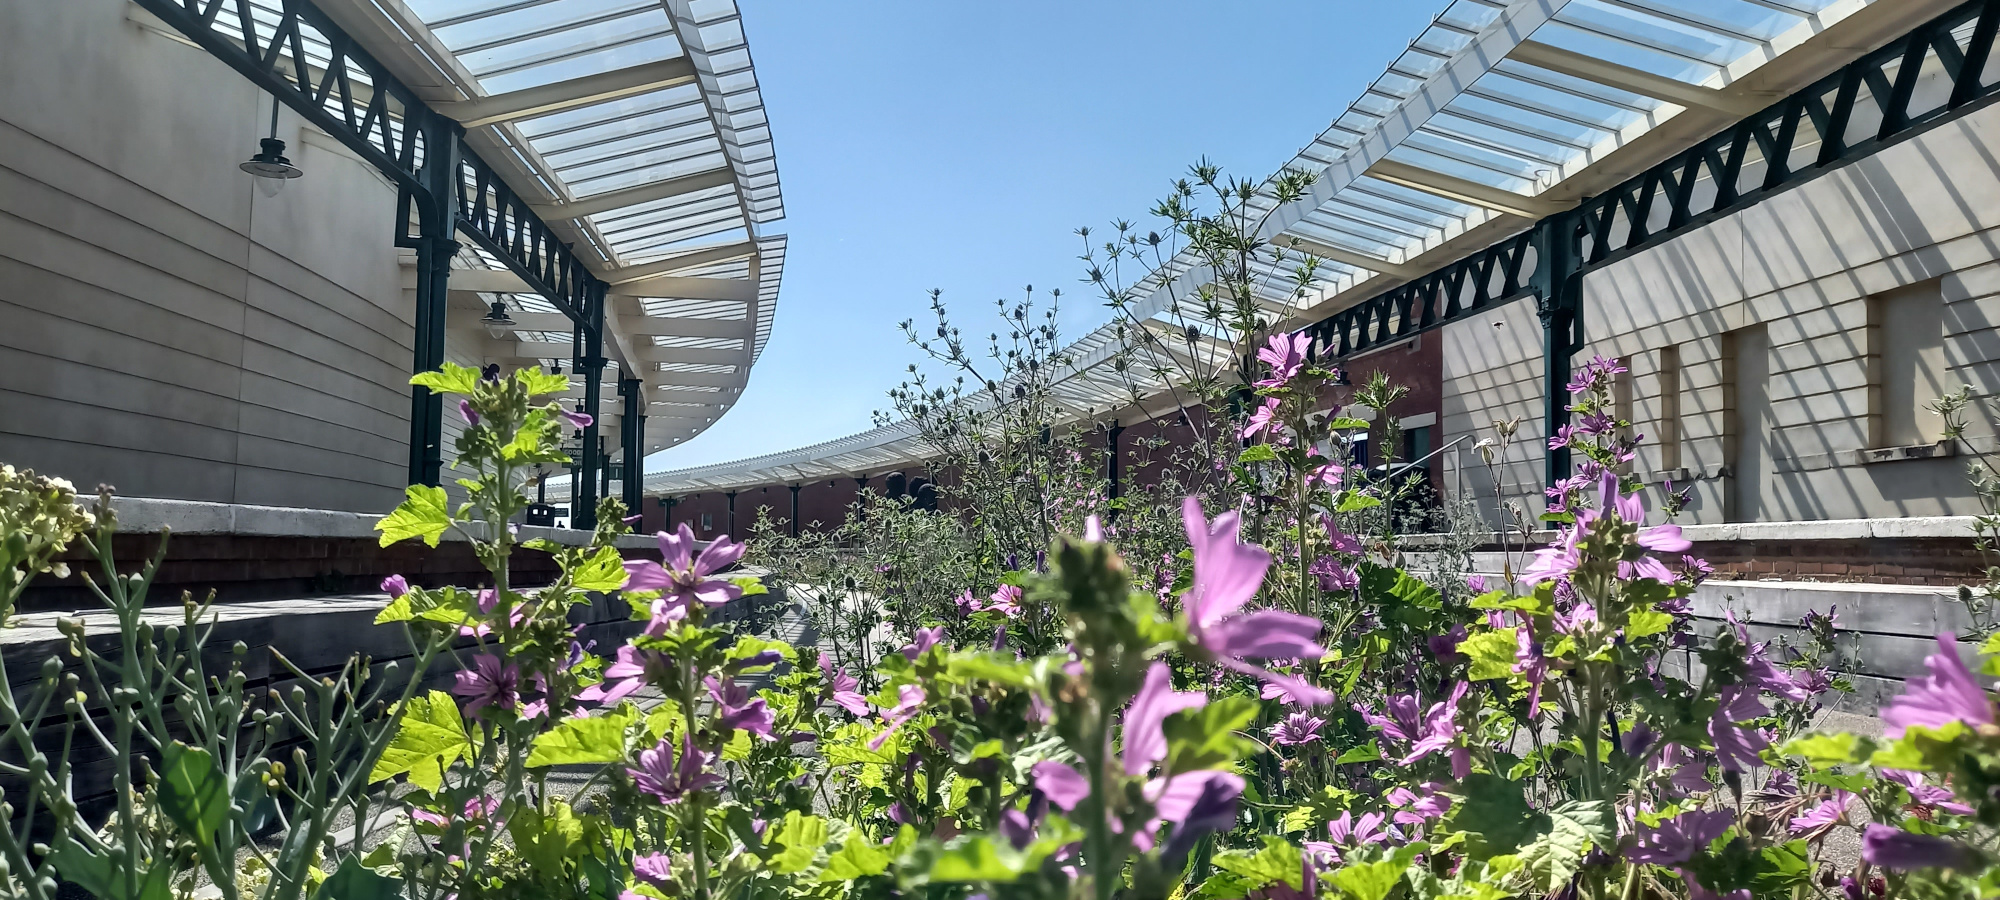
point(1297, 729)
point(628, 673)
point(1227, 573)
point(910, 698)
point(684, 578)
point(1416, 807)
point(1736, 746)
point(668, 782)
point(1680, 838)
point(738, 710)
point(1423, 731)
point(490, 682)
point(843, 689)
point(1563, 557)
point(1948, 694)
point(1286, 355)
point(1926, 794)
point(1894, 848)
point(654, 869)
point(1262, 419)
point(922, 639)
point(1829, 812)
point(1007, 600)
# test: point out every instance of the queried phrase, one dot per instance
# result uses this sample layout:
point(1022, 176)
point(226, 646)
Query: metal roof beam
point(608, 201)
point(1348, 257)
point(682, 263)
point(673, 326)
point(1462, 190)
point(701, 356)
point(583, 91)
point(682, 287)
point(1636, 81)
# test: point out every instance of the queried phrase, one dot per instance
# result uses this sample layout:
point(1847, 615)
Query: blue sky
point(958, 145)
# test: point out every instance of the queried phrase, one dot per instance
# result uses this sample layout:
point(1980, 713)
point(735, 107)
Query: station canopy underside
point(636, 130)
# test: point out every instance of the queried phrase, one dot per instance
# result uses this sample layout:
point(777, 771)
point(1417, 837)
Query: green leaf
point(1347, 423)
point(589, 739)
point(750, 585)
point(1355, 501)
point(401, 609)
point(539, 382)
point(999, 668)
point(1823, 751)
point(1368, 752)
point(601, 571)
point(430, 737)
point(451, 378)
point(1492, 653)
point(1371, 880)
point(801, 836)
point(1279, 860)
point(546, 842)
point(1257, 453)
point(1647, 622)
point(1387, 587)
point(1494, 817)
point(1205, 737)
point(747, 647)
point(421, 514)
point(858, 857)
point(531, 439)
point(1781, 868)
point(972, 857)
point(102, 879)
point(193, 793)
point(1922, 749)
point(1552, 859)
point(354, 881)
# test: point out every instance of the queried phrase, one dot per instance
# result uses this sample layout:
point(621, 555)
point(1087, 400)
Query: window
point(1906, 361)
point(1416, 443)
point(1359, 449)
point(707, 522)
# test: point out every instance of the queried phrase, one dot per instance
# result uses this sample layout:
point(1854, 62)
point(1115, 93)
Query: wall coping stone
point(151, 514)
point(1820, 530)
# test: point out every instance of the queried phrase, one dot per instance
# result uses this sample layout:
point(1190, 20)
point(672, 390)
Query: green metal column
point(590, 365)
point(1558, 286)
point(631, 434)
point(437, 218)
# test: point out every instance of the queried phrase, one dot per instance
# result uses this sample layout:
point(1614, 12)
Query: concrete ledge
point(149, 515)
point(1822, 530)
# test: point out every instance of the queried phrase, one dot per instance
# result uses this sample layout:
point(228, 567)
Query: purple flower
point(659, 776)
point(910, 698)
point(1678, 839)
point(1926, 794)
point(395, 586)
point(653, 868)
point(1297, 729)
point(1425, 733)
point(1144, 737)
point(1416, 807)
point(1894, 848)
point(1093, 529)
point(578, 419)
point(1444, 647)
point(1829, 811)
point(1736, 747)
point(738, 710)
point(1286, 355)
point(1227, 573)
point(1196, 804)
point(1530, 663)
point(1556, 560)
point(842, 688)
point(1063, 786)
point(1262, 419)
point(1948, 694)
point(1007, 600)
point(1339, 541)
point(628, 673)
point(922, 639)
point(1698, 891)
point(1348, 831)
point(684, 578)
point(1690, 774)
point(489, 682)
point(465, 409)
point(1333, 576)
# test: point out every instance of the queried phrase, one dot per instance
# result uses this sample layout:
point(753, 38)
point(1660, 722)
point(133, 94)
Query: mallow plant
point(1276, 709)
